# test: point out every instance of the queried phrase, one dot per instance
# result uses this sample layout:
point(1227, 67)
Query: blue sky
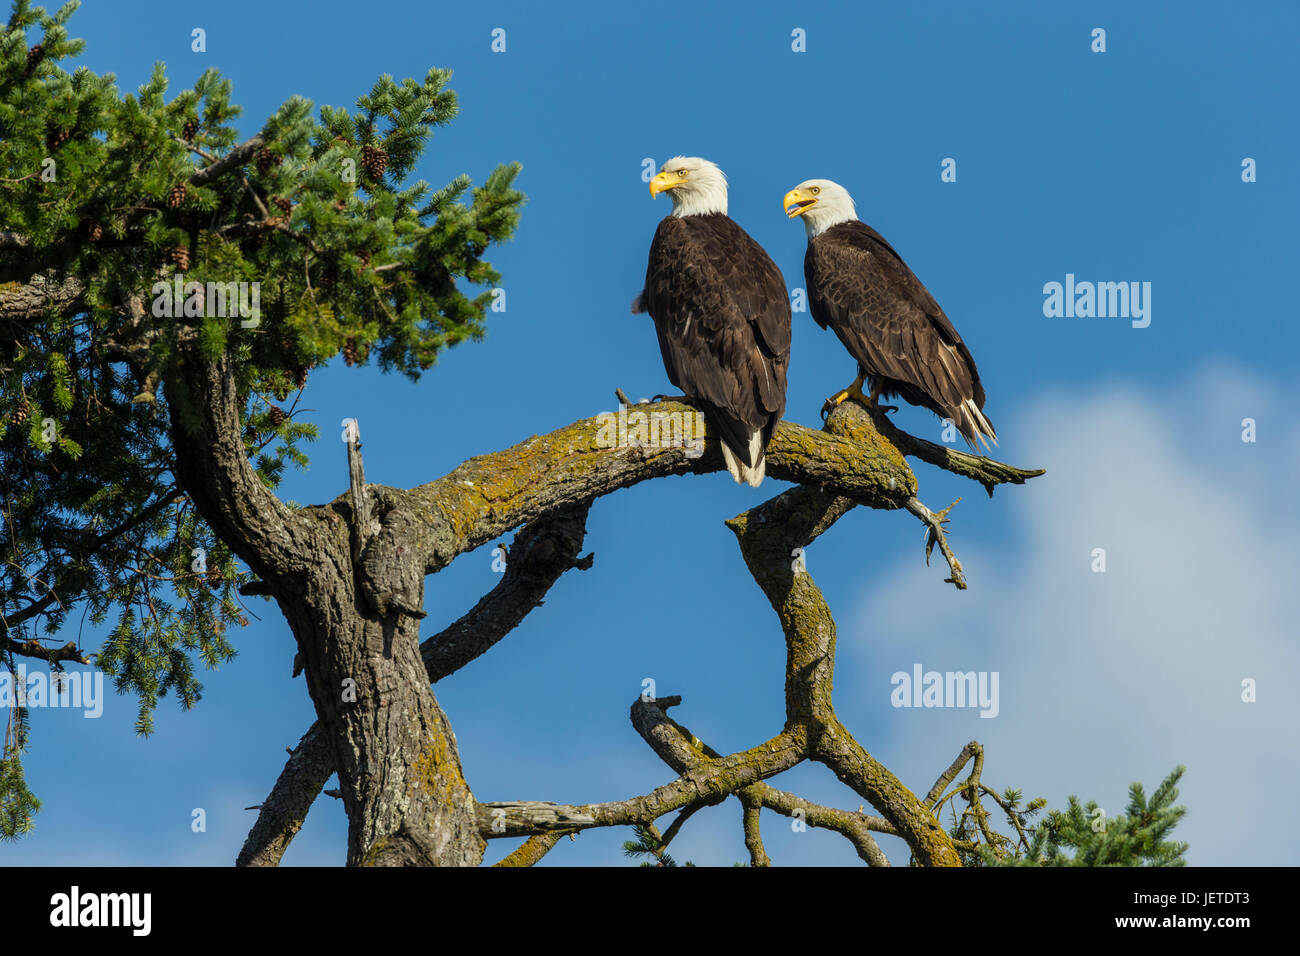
point(1115, 166)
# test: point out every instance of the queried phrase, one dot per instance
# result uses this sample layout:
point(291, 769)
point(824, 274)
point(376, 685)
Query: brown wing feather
point(722, 315)
point(859, 287)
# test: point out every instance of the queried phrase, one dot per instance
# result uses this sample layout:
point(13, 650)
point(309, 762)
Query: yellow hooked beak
point(797, 202)
point(663, 182)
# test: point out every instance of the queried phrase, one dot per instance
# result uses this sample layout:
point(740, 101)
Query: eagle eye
point(681, 173)
point(816, 190)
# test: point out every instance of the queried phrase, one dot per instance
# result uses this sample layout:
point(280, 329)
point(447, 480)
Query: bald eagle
point(861, 288)
point(722, 314)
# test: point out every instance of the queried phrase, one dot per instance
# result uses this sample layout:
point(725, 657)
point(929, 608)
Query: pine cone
point(190, 130)
point(364, 256)
point(180, 257)
point(277, 416)
point(56, 138)
point(34, 57)
point(350, 352)
point(265, 160)
point(176, 195)
point(285, 205)
point(214, 578)
point(373, 161)
point(92, 229)
point(300, 375)
point(24, 411)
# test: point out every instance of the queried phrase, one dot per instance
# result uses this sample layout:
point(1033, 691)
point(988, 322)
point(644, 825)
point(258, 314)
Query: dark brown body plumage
point(905, 346)
point(721, 311)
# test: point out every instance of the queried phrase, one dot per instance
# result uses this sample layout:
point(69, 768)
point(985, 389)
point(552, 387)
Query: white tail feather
point(741, 471)
point(981, 424)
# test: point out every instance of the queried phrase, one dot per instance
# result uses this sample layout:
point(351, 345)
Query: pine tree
point(649, 844)
point(138, 188)
point(1138, 837)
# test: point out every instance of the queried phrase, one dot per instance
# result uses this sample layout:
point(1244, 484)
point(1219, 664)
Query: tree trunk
point(356, 622)
point(399, 768)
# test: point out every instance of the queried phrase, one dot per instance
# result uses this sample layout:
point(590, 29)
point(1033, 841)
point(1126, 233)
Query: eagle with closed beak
point(722, 314)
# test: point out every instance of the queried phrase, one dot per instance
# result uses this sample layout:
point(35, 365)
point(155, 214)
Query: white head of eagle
point(696, 186)
point(821, 203)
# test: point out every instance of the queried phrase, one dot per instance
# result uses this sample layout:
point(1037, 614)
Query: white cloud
point(1114, 677)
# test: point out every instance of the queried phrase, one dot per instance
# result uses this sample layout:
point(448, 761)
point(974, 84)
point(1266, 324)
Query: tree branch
point(489, 495)
point(68, 652)
point(950, 774)
point(986, 471)
point(534, 848)
point(540, 554)
point(753, 831)
point(935, 521)
point(282, 813)
point(29, 299)
point(704, 785)
point(232, 160)
point(683, 750)
point(213, 466)
point(770, 535)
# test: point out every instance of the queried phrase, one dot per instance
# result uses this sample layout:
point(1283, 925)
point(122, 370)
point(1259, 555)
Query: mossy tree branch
point(460, 512)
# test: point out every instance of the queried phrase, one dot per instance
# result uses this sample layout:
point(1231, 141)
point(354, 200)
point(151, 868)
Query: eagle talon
point(854, 392)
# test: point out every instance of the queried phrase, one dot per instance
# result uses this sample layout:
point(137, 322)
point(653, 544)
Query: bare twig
point(934, 522)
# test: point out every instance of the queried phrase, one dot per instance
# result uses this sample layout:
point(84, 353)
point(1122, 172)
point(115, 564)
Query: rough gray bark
point(357, 631)
point(540, 554)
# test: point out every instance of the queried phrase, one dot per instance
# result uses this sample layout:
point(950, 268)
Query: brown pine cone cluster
point(92, 229)
point(56, 138)
point(176, 195)
point(277, 416)
point(266, 159)
point(34, 57)
point(214, 578)
point(22, 412)
point(350, 352)
point(285, 206)
point(373, 161)
point(190, 130)
point(364, 256)
point(180, 257)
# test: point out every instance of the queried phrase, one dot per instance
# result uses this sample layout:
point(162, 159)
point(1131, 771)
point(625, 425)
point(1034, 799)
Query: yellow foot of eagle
point(855, 392)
